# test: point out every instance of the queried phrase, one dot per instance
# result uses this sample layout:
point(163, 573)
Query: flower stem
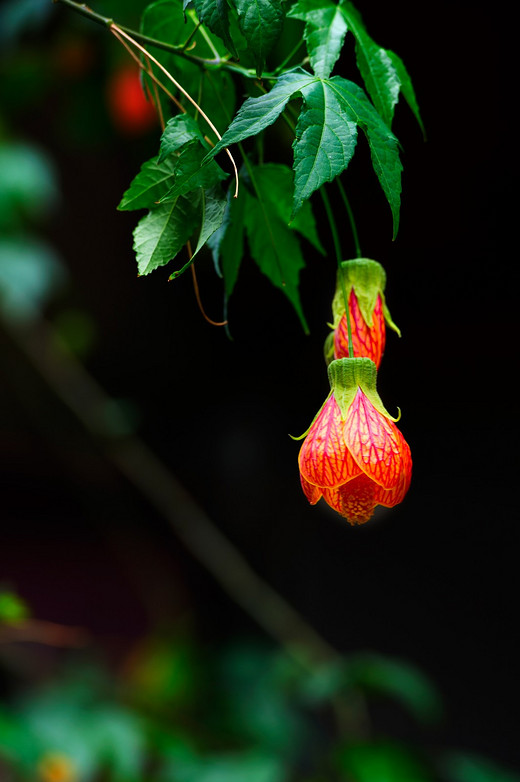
point(337, 248)
point(346, 202)
point(289, 57)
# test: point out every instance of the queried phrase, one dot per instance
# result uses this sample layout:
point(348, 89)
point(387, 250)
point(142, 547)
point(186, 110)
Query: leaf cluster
point(217, 49)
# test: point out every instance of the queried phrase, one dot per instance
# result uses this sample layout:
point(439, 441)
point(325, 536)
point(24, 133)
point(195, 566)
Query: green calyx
point(368, 279)
point(346, 375)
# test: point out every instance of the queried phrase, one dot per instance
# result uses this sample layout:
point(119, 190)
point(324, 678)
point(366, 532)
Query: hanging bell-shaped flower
point(361, 282)
point(353, 455)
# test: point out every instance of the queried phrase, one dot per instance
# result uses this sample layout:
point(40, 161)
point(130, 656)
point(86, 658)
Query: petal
point(354, 500)
point(324, 460)
point(313, 493)
point(367, 341)
point(375, 442)
point(391, 497)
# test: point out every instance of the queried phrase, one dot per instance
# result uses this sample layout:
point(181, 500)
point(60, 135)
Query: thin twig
point(148, 69)
point(199, 301)
point(115, 27)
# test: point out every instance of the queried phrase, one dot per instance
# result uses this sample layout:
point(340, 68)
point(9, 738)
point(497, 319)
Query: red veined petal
point(367, 341)
point(324, 459)
point(313, 493)
point(375, 442)
point(354, 500)
point(391, 497)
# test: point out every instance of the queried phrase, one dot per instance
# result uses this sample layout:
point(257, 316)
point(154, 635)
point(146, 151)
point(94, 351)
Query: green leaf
point(326, 136)
point(261, 23)
point(375, 66)
point(165, 21)
point(213, 210)
point(190, 174)
point(179, 130)
point(13, 609)
point(275, 181)
point(96, 738)
point(382, 762)
point(397, 679)
point(407, 88)
point(17, 743)
point(30, 274)
point(160, 235)
point(151, 183)
point(324, 32)
point(273, 245)
point(253, 766)
point(256, 114)
point(383, 72)
point(384, 147)
point(255, 707)
point(325, 133)
point(215, 15)
point(227, 243)
point(27, 184)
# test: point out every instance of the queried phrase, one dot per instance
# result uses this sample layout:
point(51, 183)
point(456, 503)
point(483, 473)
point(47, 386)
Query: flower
point(362, 282)
point(353, 455)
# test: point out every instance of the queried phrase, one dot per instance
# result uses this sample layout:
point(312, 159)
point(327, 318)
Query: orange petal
point(354, 500)
point(375, 442)
point(367, 341)
point(324, 459)
point(313, 493)
point(391, 497)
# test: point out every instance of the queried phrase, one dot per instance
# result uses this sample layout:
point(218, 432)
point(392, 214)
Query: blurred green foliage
point(30, 270)
point(173, 711)
point(12, 608)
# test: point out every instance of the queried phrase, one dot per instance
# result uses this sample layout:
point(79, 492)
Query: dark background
point(433, 581)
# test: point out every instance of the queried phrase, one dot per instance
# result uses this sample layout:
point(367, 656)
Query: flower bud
point(361, 282)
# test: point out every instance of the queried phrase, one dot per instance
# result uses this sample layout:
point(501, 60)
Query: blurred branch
point(43, 632)
point(78, 390)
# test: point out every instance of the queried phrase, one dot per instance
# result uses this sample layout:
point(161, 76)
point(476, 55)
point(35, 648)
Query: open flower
point(353, 455)
point(361, 282)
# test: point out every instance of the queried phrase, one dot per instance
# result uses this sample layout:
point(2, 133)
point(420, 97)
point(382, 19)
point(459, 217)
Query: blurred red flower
point(130, 111)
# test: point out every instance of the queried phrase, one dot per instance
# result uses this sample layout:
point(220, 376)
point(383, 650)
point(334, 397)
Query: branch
point(76, 388)
point(43, 632)
point(179, 51)
point(84, 10)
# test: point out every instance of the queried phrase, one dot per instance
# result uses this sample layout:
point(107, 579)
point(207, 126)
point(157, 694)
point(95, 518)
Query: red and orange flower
point(353, 455)
point(361, 282)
